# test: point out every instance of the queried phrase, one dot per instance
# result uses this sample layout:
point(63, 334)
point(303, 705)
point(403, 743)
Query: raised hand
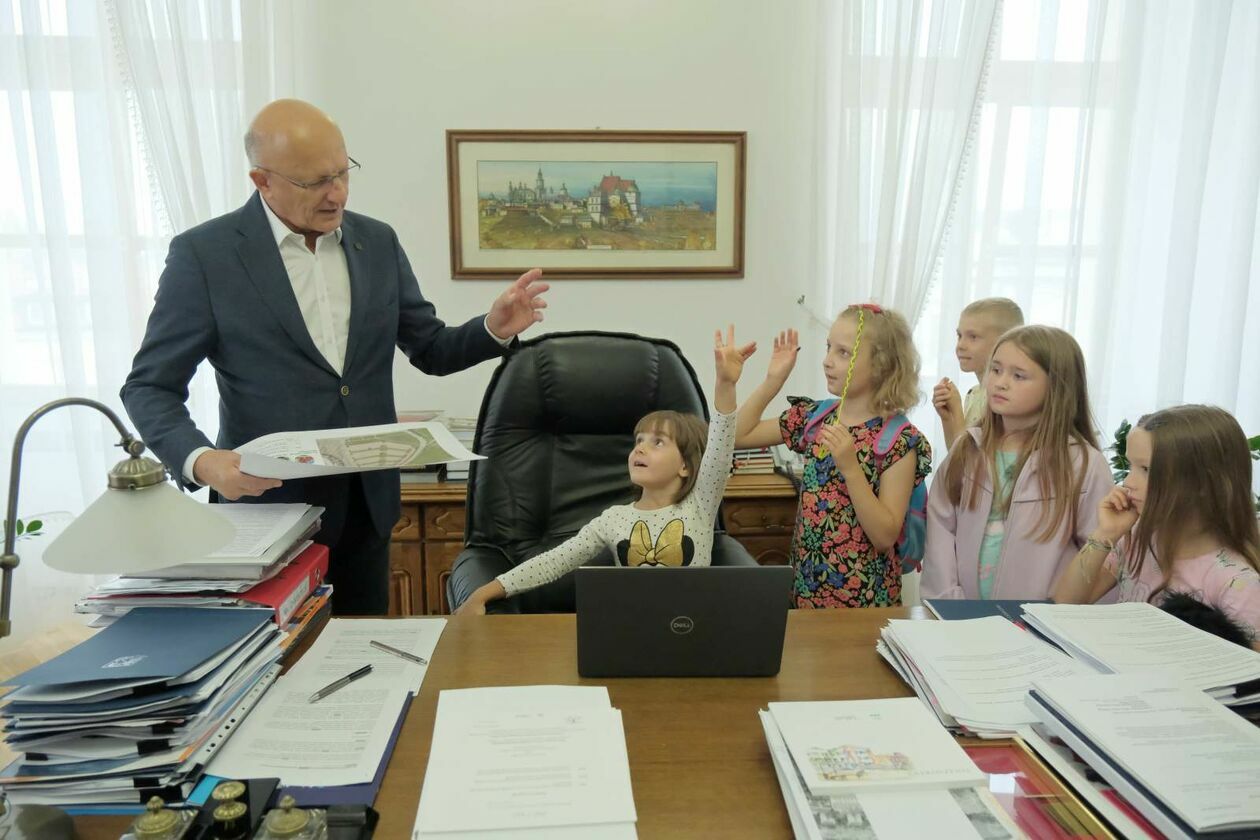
point(947, 401)
point(519, 307)
point(1116, 515)
point(787, 345)
point(838, 441)
point(729, 359)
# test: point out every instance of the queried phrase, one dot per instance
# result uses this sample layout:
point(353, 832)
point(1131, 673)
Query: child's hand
point(729, 359)
point(473, 606)
point(947, 401)
point(840, 444)
point(1116, 515)
point(783, 358)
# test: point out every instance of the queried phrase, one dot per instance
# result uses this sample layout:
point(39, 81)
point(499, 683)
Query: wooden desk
point(758, 510)
point(698, 758)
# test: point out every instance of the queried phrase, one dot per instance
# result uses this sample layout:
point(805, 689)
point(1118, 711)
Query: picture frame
point(596, 204)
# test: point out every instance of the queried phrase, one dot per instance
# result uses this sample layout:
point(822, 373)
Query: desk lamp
point(140, 522)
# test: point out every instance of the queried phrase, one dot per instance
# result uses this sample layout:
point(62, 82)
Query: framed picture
point(596, 204)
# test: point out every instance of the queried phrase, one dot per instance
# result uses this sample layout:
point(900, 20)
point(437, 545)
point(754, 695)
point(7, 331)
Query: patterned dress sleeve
point(911, 441)
point(792, 422)
point(552, 565)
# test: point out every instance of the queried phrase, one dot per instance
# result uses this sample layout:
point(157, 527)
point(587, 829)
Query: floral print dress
point(836, 565)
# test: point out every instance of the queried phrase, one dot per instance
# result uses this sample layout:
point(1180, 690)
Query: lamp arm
point(9, 560)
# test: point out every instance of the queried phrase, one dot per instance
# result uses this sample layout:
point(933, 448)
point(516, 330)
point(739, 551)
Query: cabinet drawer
point(407, 528)
point(769, 551)
point(438, 559)
point(759, 516)
point(444, 522)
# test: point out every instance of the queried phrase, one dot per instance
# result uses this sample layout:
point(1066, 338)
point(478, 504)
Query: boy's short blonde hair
point(1004, 312)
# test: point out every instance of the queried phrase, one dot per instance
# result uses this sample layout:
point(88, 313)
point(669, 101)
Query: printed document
point(344, 646)
point(360, 449)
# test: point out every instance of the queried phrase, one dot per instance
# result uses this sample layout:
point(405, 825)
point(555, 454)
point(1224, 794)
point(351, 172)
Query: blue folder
point(155, 643)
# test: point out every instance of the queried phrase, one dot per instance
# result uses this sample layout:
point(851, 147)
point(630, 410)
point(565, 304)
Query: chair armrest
point(475, 566)
point(728, 551)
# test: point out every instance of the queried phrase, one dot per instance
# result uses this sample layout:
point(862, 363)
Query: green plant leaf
point(33, 526)
point(20, 527)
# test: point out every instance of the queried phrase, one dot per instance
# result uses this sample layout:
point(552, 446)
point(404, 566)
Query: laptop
point(705, 621)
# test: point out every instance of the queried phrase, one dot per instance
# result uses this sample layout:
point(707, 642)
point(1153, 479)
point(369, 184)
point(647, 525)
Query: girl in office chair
point(680, 479)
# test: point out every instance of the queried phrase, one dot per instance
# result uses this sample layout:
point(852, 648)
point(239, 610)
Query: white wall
point(397, 74)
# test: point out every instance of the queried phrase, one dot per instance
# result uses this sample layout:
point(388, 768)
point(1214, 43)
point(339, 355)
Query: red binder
point(287, 591)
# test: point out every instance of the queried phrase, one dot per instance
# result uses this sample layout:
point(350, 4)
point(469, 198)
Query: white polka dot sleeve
point(585, 545)
point(715, 469)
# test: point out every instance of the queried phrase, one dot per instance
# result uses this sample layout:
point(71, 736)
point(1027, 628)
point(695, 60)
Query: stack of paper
point(531, 762)
point(1186, 762)
point(271, 562)
point(464, 429)
point(341, 739)
point(877, 768)
point(973, 673)
point(137, 709)
point(1138, 637)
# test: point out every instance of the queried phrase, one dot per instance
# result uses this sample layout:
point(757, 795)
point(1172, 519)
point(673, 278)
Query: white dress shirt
point(321, 284)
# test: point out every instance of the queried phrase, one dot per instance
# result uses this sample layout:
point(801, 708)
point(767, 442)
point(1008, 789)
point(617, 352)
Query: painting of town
point(597, 205)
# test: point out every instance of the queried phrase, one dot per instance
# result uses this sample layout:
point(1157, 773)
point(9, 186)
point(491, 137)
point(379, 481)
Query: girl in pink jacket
point(1183, 521)
point(1017, 496)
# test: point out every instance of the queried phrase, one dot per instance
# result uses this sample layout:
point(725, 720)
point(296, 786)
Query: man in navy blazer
point(298, 304)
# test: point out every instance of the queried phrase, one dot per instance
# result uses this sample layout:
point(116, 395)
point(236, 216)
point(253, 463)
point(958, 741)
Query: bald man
point(298, 304)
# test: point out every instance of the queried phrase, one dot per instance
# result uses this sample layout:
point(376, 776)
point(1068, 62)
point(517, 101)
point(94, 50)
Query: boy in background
point(980, 325)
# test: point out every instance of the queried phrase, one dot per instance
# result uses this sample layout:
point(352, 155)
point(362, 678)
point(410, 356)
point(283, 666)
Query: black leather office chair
point(556, 425)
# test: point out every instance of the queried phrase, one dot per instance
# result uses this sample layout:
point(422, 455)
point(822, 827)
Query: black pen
point(410, 657)
point(341, 683)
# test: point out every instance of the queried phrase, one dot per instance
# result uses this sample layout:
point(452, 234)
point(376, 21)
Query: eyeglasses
point(320, 183)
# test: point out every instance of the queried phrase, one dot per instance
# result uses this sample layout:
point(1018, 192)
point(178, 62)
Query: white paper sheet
point(336, 741)
point(360, 449)
point(258, 526)
point(343, 646)
point(527, 769)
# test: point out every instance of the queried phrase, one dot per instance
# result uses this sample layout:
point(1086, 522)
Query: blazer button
point(345, 390)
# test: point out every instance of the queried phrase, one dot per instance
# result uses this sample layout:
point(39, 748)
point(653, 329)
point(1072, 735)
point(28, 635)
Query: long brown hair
point(1200, 471)
point(1065, 419)
point(688, 431)
point(889, 343)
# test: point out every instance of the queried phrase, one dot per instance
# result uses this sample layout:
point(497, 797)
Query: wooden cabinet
point(758, 510)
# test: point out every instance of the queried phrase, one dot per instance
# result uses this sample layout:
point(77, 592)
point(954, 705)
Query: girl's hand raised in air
point(1116, 515)
point(840, 444)
point(729, 359)
point(783, 358)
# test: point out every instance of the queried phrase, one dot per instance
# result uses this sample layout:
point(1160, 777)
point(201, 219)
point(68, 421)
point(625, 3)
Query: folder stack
point(464, 429)
point(1186, 762)
point(272, 563)
point(138, 709)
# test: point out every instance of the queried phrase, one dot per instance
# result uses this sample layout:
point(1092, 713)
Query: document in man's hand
point(303, 454)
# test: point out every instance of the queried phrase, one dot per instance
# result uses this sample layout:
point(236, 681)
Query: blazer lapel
point(262, 262)
point(360, 285)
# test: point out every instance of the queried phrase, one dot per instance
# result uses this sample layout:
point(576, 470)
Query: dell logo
point(682, 625)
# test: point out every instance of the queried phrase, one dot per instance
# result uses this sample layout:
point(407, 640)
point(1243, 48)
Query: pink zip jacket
point(1026, 568)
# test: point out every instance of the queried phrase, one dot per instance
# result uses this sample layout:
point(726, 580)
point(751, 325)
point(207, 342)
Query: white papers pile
point(880, 768)
point(137, 709)
point(528, 762)
point(1139, 637)
point(1186, 762)
point(464, 429)
point(973, 673)
point(341, 739)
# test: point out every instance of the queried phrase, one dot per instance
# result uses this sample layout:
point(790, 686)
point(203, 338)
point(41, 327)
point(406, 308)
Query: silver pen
point(341, 683)
point(410, 657)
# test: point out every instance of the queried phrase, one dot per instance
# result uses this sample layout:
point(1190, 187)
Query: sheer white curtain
point(1114, 194)
point(92, 194)
point(899, 86)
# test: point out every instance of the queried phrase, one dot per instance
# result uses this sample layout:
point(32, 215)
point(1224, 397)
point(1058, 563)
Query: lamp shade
point(129, 531)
